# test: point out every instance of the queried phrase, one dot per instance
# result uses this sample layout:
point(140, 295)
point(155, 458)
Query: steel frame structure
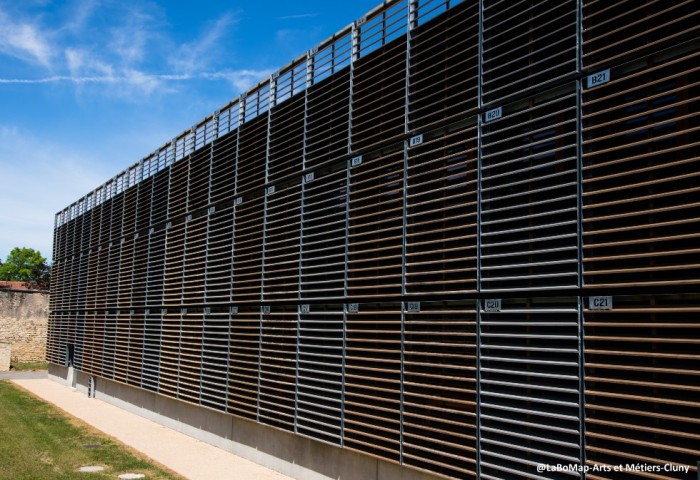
point(457, 235)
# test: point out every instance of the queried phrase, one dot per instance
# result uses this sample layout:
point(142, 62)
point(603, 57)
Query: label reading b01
point(598, 78)
point(493, 114)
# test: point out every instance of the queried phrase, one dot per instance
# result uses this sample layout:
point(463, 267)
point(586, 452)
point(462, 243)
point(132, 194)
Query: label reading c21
point(600, 303)
point(598, 78)
point(492, 305)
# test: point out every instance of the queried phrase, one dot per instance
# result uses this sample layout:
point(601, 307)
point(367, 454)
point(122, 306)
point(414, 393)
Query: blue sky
point(89, 87)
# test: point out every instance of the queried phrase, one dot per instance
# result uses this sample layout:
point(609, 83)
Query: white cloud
point(143, 82)
point(134, 33)
point(82, 63)
point(38, 180)
point(240, 80)
point(197, 55)
point(115, 59)
point(81, 12)
point(24, 41)
point(148, 83)
point(298, 16)
point(40, 177)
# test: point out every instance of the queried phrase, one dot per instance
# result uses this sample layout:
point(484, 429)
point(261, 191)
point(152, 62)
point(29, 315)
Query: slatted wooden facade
point(458, 235)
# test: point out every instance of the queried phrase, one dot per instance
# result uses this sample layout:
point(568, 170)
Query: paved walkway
point(189, 457)
point(12, 374)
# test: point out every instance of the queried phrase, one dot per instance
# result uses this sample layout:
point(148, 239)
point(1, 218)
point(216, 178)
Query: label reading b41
point(598, 78)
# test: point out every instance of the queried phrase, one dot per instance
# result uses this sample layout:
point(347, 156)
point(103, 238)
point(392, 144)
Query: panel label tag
point(600, 303)
point(417, 140)
point(493, 114)
point(492, 305)
point(413, 307)
point(598, 78)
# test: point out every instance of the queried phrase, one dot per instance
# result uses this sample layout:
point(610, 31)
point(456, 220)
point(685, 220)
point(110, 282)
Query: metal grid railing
point(219, 261)
point(282, 239)
point(278, 366)
point(323, 236)
point(640, 186)
point(246, 272)
point(375, 223)
point(244, 362)
point(616, 31)
point(379, 95)
point(216, 342)
point(642, 366)
point(372, 401)
point(529, 184)
point(526, 45)
point(439, 404)
point(441, 212)
point(320, 372)
point(443, 81)
point(529, 378)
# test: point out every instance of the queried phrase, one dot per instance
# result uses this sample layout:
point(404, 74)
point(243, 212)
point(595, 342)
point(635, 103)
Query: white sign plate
point(492, 305)
point(493, 114)
point(598, 78)
point(600, 303)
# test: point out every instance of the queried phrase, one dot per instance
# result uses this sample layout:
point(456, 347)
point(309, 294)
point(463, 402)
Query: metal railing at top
point(387, 21)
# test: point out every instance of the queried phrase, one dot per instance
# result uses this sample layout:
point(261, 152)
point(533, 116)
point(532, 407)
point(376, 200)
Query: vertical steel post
point(411, 23)
point(579, 201)
point(477, 422)
point(353, 58)
point(309, 74)
point(241, 117)
point(579, 249)
point(355, 36)
point(478, 305)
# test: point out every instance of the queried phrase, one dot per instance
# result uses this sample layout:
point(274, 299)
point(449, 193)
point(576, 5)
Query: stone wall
point(23, 323)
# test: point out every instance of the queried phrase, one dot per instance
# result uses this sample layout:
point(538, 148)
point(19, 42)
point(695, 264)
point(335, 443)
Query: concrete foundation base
point(285, 452)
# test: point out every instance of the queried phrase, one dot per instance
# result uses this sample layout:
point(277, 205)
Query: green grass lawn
point(38, 441)
point(28, 366)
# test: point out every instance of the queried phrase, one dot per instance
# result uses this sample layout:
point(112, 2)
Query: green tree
point(25, 265)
